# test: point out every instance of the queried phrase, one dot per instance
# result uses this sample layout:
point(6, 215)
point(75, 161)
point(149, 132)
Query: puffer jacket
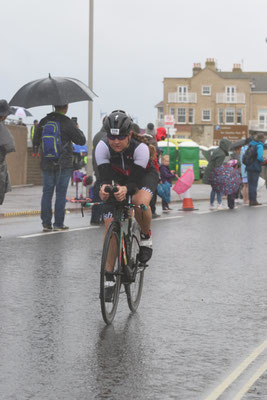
point(69, 134)
point(217, 158)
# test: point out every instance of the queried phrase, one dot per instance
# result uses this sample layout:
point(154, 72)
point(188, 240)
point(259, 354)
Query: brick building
point(213, 104)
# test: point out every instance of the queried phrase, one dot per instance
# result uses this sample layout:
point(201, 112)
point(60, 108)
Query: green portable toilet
point(188, 156)
point(171, 151)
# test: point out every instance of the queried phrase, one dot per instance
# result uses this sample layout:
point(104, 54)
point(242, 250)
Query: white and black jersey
point(131, 167)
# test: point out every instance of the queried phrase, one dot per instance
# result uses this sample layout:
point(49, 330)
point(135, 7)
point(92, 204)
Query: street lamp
point(90, 84)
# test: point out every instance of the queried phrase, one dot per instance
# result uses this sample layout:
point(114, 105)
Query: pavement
point(26, 199)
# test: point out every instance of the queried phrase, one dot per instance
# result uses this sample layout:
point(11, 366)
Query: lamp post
point(90, 84)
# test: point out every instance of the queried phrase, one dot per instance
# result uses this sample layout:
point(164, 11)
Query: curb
point(32, 212)
point(71, 210)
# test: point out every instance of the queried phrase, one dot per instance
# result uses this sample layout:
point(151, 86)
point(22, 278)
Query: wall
point(34, 176)
point(17, 161)
point(202, 134)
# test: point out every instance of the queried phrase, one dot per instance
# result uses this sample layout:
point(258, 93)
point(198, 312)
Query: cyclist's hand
point(120, 195)
point(102, 194)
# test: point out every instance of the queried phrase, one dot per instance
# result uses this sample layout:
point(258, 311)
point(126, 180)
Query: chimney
point(210, 63)
point(237, 68)
point(196, 68)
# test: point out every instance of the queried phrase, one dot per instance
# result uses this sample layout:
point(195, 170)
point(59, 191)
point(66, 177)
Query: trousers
point(57, 180)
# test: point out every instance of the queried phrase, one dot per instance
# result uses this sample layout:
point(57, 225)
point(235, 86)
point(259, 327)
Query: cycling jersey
point(131, 167)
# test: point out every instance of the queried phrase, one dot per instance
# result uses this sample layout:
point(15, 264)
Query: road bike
point(120, 265)
point(121, 271)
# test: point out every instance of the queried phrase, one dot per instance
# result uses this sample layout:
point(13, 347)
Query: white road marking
point(238, 371)
point(164, 218)
point(251, 381)
point(55, 232)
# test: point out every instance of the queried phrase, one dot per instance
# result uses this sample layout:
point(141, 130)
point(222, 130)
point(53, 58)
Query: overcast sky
point(136, 44)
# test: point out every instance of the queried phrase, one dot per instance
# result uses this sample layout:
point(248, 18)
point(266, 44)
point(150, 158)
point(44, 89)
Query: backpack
point(51, 140)
point(250, 155)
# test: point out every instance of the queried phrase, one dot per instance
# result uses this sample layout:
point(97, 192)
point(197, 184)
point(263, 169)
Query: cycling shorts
point(149, 183)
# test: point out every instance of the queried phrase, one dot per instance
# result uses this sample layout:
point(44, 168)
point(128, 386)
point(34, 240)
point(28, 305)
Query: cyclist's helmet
point(118, 123)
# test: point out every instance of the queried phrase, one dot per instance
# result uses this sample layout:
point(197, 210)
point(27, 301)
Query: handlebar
point(111, 189)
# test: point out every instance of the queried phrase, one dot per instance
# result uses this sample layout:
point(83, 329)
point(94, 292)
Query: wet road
point(202, 314)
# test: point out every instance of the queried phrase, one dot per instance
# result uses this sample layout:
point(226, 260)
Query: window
point(220, 116)
point(239, 116)
point(172, 112)
point(191, 116)
point(206, 90)
point(230, 116)
point(181, 115)
point(262, 118)
point(230, 94)
point(182, 94)
point(161, 113)
point(206, 115)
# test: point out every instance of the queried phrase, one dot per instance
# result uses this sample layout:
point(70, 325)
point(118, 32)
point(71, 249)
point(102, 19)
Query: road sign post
point(168, 122)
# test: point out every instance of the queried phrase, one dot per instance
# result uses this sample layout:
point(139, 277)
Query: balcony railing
point(225, 98)
point(255, 125)
point(182, 98)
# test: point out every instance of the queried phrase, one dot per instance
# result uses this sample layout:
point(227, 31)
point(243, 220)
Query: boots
point(254, 203)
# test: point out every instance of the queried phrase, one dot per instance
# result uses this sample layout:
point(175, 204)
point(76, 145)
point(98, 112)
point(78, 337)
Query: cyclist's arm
point(102, 157)
point(141, 159)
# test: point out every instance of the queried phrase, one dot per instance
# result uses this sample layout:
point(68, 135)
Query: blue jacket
point(256, 165)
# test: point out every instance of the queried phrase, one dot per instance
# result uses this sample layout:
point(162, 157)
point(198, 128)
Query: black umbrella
point(55, 91)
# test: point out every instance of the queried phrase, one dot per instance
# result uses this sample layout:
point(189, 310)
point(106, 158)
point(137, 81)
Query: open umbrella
point(184, 182)
point(55, 91)
point(21, 112)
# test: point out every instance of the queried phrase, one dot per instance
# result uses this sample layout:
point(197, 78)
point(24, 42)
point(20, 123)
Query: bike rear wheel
point(134, 289)
point(110, 281)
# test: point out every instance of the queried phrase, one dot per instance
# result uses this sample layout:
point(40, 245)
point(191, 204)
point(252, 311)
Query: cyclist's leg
point(143, 217)
point(108, 211)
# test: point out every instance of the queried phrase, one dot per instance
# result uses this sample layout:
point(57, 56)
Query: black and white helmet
point(118, 123)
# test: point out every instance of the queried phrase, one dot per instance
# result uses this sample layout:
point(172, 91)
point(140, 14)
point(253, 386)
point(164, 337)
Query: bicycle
point(121, 246)
point(123, 235)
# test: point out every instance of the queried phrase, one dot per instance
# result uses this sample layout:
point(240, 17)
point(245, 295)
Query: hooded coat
point(217, 158)
point(6, 146)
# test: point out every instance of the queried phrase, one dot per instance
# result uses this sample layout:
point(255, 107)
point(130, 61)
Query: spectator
point(161, 134)
point(33, 129)
point(166, 176)
point(57, 173)
point(151, 137)
point(97, 211)
point(216, 160)
point(244, 174)
point(6, 146)
point(254, 169)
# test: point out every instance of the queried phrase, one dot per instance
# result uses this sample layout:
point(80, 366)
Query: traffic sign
point(168, 120)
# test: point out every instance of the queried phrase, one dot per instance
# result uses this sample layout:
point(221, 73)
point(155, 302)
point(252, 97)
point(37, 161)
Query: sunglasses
point(113, 137)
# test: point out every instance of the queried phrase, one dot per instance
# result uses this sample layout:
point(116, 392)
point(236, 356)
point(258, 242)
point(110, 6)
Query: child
point(232, 196)
point(166, 176)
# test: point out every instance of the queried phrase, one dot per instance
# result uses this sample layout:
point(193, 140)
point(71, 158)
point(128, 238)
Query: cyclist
point(124, 160)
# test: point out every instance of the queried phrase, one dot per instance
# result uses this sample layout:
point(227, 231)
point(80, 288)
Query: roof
point(160, 104)
point(258, 79)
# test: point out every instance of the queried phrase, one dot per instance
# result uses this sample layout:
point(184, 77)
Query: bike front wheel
point(110, 274)
point(134, 289)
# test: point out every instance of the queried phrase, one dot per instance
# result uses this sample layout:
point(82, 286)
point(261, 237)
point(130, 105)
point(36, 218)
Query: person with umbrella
point(56, 171)
point(6, 146)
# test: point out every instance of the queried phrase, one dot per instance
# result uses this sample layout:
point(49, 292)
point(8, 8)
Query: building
point(213, 104)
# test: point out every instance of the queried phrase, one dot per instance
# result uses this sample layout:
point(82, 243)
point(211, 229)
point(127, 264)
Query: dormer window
point(206, 90)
